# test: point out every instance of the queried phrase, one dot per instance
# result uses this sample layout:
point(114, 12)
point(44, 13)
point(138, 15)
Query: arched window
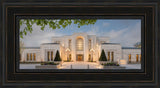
point(79, 44)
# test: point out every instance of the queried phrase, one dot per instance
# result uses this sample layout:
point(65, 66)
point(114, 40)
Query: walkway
point(80, 65)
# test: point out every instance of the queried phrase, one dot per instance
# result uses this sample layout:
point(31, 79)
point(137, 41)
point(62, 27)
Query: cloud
point(106, 24)
point(115, 34)
point(94, 30)
point(128, 36)
point(38, 36)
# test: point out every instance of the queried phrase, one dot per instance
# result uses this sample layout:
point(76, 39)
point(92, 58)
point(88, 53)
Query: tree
point(57, 58)
point(103, 56)
point(138, 45)
point(54, 24)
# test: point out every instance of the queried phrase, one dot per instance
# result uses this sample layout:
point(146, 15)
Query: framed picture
point(76, 44)
point(97, 43)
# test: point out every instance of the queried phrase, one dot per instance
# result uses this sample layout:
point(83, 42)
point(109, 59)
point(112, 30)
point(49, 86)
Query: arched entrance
point(79, 49)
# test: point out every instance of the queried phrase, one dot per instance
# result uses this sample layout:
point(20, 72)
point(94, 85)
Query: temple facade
point(81, 47)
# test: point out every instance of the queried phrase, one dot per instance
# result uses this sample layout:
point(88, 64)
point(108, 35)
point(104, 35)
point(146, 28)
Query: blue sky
point(124, 31)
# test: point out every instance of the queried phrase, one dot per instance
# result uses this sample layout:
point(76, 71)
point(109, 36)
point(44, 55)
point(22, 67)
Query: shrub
point(68, 60)
point(103, 56)
point(110, 64)
point(57, 58)
point(49, 63)
point(30, 62)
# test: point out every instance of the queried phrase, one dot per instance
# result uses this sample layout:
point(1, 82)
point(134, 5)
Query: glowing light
point(68, 49)
point(123, 62)
point(92, 50)
point(79, 44)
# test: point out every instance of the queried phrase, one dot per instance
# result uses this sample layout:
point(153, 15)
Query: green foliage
point(49, 63)
point(54, 24)
point(103, 56)
point(68, 60)
point(57, 58)
point(110, 64)
point(138, 45)
point(23, 62)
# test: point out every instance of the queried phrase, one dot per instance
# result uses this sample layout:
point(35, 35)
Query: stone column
point(32, 56)
point(110, 55)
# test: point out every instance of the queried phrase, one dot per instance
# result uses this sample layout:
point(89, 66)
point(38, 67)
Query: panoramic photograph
point(80, 44)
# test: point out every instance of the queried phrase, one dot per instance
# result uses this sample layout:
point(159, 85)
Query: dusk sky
point(126, 32)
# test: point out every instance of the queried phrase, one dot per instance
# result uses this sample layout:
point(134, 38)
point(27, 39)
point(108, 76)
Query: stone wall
point(133, 53)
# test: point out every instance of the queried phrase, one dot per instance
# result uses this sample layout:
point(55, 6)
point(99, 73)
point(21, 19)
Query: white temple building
point(81, 47)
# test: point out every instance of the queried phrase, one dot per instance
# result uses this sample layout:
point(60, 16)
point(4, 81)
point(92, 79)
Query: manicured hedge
point(49, 63)
point(110, 64)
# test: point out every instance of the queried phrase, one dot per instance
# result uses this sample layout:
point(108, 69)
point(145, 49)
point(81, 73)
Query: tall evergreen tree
point(57, 58)
point(103, 56)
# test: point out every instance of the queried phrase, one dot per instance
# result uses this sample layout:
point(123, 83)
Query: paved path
point(132, 66)
point(80, 65)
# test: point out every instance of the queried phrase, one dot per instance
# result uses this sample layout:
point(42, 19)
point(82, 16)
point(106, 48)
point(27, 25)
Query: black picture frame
point(106, 16)
point(148, 10)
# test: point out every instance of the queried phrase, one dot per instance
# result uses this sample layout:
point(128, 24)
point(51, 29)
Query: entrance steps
point(80, 65)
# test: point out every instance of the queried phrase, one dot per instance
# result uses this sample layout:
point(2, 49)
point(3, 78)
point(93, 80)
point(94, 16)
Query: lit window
point(108, 56)
point(137, 58)
point(70, 56)
point(112, 56)
point(27, 56)
point(79, 44)
point(129, 58)
point(34, 57)
point(31, 56)
point(48, 55)
point(52, 56)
